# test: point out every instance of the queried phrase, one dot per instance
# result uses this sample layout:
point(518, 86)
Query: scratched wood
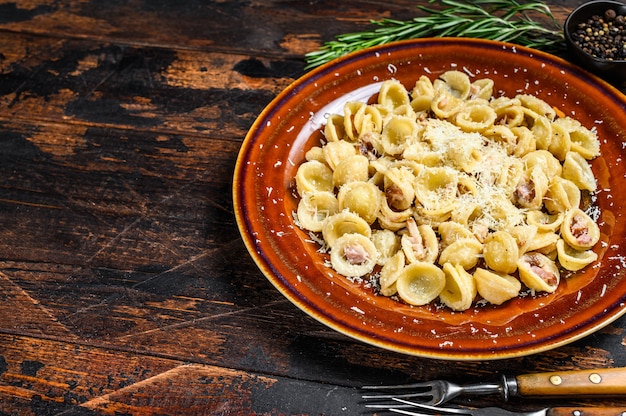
point(124, 285)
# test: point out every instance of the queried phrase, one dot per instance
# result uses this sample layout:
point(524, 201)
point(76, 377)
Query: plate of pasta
point(445, 198)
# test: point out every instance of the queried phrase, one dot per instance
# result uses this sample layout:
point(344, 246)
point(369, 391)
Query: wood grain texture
point(125, 287)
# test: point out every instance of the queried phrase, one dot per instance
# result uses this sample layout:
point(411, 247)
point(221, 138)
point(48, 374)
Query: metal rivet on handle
point(556, 380)
point(595, 378)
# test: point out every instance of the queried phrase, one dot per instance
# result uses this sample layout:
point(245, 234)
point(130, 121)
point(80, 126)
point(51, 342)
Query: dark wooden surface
point(125, 287)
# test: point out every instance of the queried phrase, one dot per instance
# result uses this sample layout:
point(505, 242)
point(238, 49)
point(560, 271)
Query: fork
point(496, 411)
point(599, 382)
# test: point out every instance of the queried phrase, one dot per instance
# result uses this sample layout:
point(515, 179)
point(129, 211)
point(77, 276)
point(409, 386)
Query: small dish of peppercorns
point(596, 35)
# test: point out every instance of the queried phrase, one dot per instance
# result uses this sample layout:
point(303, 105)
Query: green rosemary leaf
point(504, 20)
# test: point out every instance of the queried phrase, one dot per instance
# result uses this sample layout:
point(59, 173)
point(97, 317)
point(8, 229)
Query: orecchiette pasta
point(571, 259)
point(314, 176)
point(460, 289)
point(314, 208)
point(362, 198)
point(387, 243)
point(446, 192)
point(579, 230)
point(420, 283)
point(464, 252)
point(501, 252)
point(420, 243)
point(351, 169)
point(353, 255)
point(389, 274)
point(539, 272)
point(577, 170)
point(344, 222)
point(495, 287)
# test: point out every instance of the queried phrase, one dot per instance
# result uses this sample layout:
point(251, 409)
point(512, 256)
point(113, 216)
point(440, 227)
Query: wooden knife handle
point(587, 411)
point(600, 382)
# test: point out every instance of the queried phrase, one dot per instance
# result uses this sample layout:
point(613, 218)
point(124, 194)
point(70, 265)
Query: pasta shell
point(436, 188)
point(445, 105)
point(314, 176)
point(422, 94)
point(510, 115)
point(502, 135)
point(537, 105)
point(481, 88)
point(542, 131)
point(421, 153)
point(392, 94)
point(353, 255)
point(464, 152)
point(579, 230)
point(353, 168)
point(524, 235)
point(314, 208)
point(499, 104)
point(362, 198)
point(397, 133)
point(334, 130)
point(451, 232)
point(464, 252)
point(315, 153)
point(423, 86)
point(335, 152)
point(574, 260)
point(562, 195)
point(399, 190)
point(583, 140)
point(391, 219)
point(389, 274)
point(501, 252)
point(510, 176)
point(344, 222)
point(544, 221)
point(420, 283)
point(387, 243)
point(460, 289)
point(577, 169)
point(545, 160)
point(475, 118)
point(561, 143)
point(350, 110)
point(503, 212)
point(420, 243)
point(465, 212)
point(496, 288)
point(531, 189)
point(457, 83)
point(543, 242)
point(526, 142)
point(538, 272)
point(368, 120)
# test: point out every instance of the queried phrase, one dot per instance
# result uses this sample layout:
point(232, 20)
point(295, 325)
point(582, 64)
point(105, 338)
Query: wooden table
point(125, 287)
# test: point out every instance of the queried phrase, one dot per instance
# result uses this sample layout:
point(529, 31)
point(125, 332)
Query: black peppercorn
point(603, 36)
point(610, 15)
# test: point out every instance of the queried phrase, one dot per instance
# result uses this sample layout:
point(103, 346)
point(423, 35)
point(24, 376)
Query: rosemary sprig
point(504, 20)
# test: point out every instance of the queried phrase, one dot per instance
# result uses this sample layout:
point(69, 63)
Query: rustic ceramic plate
point(264, 203)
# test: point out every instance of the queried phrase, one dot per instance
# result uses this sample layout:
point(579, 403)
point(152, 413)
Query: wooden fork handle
point(600, 382)
point(587, 411)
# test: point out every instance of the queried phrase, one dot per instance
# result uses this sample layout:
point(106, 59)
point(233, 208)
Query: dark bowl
point(613, 70)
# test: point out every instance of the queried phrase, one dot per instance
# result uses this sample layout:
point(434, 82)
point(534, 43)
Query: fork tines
point(422, 390)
